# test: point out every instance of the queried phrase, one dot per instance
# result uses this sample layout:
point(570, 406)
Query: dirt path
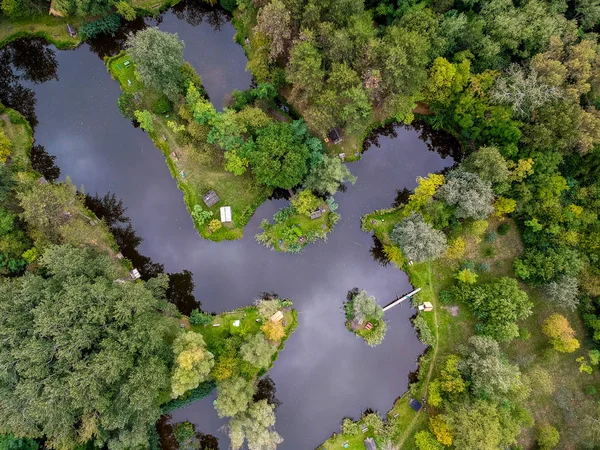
point(410, 428)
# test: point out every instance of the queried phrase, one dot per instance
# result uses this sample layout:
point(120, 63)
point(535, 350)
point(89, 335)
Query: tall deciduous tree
point(498, 304)
point(418, 240)
point(471, 195)
point(365, 306)
point(280, 158)
point(274, 22)
point(85, 358)
point(256, 427)
point(192, 363)
point(560, 333)
point(326, 178)
point(233, 396)
point(158, 58)
point(257, 351)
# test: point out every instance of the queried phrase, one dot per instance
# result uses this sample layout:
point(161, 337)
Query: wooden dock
point(401, 299)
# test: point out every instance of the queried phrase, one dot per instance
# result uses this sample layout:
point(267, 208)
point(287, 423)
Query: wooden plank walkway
point(401, 299)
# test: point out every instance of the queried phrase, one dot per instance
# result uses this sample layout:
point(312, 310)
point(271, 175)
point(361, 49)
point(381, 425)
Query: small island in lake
point(364, 317)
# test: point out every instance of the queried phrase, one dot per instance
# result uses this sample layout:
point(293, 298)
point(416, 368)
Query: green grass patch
point(197, 168)
point(51, 28)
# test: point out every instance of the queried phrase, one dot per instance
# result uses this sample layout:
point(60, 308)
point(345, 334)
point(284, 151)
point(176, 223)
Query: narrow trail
point(410, 428)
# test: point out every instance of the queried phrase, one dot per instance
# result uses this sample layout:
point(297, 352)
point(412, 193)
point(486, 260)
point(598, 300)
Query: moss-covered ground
point(197, 168)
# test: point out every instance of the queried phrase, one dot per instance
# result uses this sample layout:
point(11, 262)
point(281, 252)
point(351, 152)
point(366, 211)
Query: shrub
point(214, 225)
point(107, 25)
point(483, 267)
point(490, 237)
point(161, 106)
point(273, 331)
point(305, 202)
point(456, 249)
point(547, 437)
point(284, 214)
point(446, 296)
point(503, 228)
point(350, 427)
point(126, 104)
point(423, 330)
point(467, 276)
point(375, 337)
point(560, 334)
point(200, 216)
point(197, 317)
point(489, 252)
point(524, 334)
point(468, 264)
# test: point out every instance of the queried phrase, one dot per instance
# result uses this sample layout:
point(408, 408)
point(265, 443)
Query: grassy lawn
point(197, 168)
point(51, 28)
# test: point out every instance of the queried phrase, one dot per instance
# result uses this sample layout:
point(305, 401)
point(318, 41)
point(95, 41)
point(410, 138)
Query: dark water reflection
point(324, 373)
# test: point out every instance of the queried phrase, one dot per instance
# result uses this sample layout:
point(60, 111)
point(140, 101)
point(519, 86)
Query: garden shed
point(278, 316)
point(135, 274)
point(415, 404)
point(225, 214)
point(334, 136)
point(210, 198)
point(315, 214)
point(426, 306)
point(370, 444)
point(72, 31)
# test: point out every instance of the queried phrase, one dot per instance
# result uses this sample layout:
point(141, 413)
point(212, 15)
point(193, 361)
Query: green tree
point(233, 396)
point(274, 22)
point(158, 58)
point(489, 164)
point(326, 177)
point(257, 351)
point(109, 358)
point(305, 202)
point(201, 216)
point(126, 10)
point(280, 159)
point(185, 434)
point(5, 146)
point(145, 120)
point(418, 240)
point(192, 363)
point(10, 442)
point(467, 276)
point(547, 437)
point(425, 440)
point(476, 425)
point(471, 195)
point(256, 427)
point(563, 292)
point(486, 367)
point(498, 304)
point(304, 71)
point(365, 307)
point(559, 332)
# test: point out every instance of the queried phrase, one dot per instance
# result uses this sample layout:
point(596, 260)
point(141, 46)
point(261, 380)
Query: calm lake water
point(325, 373)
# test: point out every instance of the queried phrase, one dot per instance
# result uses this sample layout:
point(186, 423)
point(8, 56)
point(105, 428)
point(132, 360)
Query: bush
point(547, 437)
point(126, 104)
point(447, 296)
point(423, 330)
point(197, 317)
point(490, 237)
point(489, 252)
point(503, 228)
point(228, 5)
point(107, 25)
point(203, 390)
point(467, 264)
point(524, 334)
point(284, 214)
point(214, 225)
point(483, 267)
point(161, 105)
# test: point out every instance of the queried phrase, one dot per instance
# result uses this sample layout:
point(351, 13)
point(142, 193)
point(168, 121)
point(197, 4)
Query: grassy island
point(364, 317)
point(196, 165)
point(305, 220)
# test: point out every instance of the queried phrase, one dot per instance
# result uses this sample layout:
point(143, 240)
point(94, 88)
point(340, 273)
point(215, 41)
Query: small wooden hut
point(72, 31)
point(135, 274)
point(277, 317)
point(334, 136)
point(210, 198)
point(315, 214)
point(370, 444)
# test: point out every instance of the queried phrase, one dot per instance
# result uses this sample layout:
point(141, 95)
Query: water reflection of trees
point(195, 12)
point(438, 141)
point(165, 429)
point(265, 390)
point(107, 45)
point(378, 253)
point(25, 60)
point(44, 163)
point(111, 210)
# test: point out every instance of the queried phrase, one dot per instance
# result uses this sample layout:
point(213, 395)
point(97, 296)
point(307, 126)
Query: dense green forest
point(506, 245)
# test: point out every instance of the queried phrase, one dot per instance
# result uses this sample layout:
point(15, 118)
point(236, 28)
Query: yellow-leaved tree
point(192, 363)
point(5, 146)
point(560, 333)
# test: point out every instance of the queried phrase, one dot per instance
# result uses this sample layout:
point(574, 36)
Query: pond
point(325, 373)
